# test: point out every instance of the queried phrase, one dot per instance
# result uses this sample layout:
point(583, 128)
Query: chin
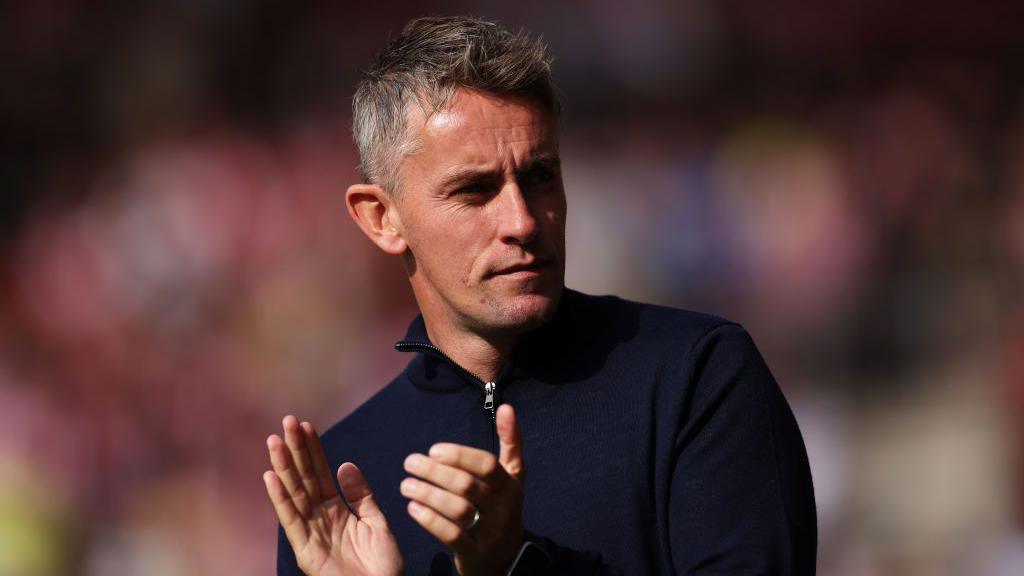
point(525, 312)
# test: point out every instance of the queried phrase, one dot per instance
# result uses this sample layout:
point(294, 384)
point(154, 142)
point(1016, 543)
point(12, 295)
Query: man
point(535, 429)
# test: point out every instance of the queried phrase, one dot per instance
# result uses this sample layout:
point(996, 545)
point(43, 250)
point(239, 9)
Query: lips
point(529, 266)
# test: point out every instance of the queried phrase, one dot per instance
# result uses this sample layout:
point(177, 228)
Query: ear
point(374, 212)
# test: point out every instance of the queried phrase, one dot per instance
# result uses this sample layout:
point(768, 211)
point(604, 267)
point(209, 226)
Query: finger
point(453, 507)
point(479, 463)
point(454, 480)
point(287, 515)
point(320, 466)
point(296, 441)
point(443, 529)
point(281, 460)
point(357, 491)
point(510, 441)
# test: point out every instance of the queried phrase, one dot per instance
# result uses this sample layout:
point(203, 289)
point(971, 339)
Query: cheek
point(450, 251)
point(554, 216)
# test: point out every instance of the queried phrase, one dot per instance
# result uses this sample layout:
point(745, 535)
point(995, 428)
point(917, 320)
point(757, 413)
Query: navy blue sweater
point(655, 441)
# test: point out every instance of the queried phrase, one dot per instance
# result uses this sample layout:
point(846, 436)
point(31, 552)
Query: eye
point(474, 193)
point(470, 189)
point(537, 177)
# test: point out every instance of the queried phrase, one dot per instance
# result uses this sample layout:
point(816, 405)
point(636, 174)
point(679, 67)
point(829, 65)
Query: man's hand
point(328, 538)
point(463, 481)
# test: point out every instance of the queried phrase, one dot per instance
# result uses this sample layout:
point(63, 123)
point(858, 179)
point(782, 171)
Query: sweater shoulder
point(652, 326)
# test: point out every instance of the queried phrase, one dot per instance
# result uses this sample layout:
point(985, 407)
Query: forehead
point(481, 129)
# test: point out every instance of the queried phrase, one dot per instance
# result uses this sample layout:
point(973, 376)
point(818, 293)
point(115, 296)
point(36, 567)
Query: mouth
point(528, 268)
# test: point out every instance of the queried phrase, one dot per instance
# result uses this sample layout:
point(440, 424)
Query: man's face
point(482, 211)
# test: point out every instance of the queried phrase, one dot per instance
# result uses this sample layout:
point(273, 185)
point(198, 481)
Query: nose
point(516, 224)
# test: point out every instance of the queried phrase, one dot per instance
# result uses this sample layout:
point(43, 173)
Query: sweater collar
point(537, 355)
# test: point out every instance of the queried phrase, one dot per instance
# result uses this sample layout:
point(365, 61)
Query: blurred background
point(178, 272)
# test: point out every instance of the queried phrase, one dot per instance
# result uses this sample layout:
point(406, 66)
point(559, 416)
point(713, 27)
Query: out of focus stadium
point(178, 271)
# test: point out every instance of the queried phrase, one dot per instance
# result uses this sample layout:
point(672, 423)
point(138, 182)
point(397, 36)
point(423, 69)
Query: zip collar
point(425, 347)
point(537, 352)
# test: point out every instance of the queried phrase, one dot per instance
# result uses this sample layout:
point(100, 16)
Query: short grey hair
point(426, 64)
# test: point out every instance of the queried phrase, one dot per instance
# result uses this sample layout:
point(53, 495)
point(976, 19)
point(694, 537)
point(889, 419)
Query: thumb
point(511, 443)
point(356, 491)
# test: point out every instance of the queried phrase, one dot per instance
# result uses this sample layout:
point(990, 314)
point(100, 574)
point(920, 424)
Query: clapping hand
point(327, 536)
point(470, 500)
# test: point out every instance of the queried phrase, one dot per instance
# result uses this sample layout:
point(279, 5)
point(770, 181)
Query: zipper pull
point(489, 396)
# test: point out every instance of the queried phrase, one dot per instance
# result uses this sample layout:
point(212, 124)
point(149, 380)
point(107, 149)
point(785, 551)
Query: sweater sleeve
point(741, 500)
point(562, 560)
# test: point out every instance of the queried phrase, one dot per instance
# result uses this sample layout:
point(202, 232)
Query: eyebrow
point(470, 175)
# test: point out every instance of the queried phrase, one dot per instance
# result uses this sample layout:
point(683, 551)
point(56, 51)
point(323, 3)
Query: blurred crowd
point(178, 270)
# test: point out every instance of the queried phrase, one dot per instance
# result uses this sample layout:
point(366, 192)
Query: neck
point(483, 356)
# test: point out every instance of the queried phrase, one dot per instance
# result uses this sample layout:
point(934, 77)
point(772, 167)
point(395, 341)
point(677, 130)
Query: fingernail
point(415, 508)
point(345, 475)
point(413, 462)
point(408, 487)
point(438, 450)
